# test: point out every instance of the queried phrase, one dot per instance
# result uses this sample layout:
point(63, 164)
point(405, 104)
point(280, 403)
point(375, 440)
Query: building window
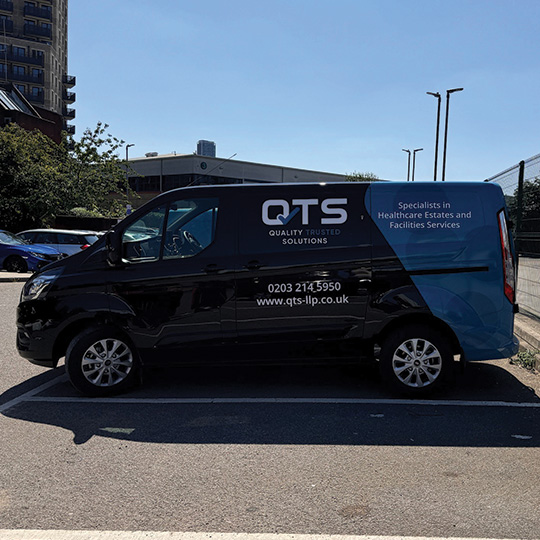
point(19, 51)
point(21, 88)
point(19, 70)
point(148, 183)
point(3, 69)
point(36, 91)
point(46, 26)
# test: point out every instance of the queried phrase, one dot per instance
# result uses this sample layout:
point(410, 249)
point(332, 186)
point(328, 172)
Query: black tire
point(16, 264)
point(416, 360)
point(101, 362)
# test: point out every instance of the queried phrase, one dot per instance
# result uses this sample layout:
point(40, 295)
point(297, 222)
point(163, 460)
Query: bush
point(84, 213)
point(526, 359)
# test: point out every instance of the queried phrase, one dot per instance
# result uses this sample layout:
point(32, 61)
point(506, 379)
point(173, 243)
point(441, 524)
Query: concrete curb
point(13, 277)
point(527, 329)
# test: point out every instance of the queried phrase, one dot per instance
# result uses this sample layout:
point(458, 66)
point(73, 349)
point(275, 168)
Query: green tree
point(530, 200)
point(40, 179)
point(362, 177)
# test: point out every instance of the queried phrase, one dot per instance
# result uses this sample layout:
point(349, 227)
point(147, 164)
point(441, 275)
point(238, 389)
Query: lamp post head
point(434, 94)
point(403, 150)
point(452, 90)
point(418, 150)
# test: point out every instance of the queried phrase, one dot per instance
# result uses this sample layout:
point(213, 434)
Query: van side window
point(191, 227)
point(141, 241)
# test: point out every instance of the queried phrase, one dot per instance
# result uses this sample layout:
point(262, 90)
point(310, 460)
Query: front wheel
point(415, 359)
point(16, 264)
point(101, 362)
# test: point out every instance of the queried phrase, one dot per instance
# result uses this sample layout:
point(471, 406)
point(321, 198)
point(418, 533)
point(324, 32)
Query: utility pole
point(408, 163)
point(414, 161)
point(448, 92)
point(438, 96)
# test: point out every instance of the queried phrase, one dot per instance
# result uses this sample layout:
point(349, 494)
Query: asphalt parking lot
point(304, 450)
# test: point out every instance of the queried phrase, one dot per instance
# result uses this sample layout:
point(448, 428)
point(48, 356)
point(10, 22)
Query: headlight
point(37, 255)
point(38, 285)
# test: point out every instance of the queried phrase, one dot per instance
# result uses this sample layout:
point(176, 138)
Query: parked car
point(65, 241)
point(16, 255)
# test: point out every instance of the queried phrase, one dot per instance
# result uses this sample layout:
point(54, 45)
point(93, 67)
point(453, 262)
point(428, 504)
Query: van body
point(411, 274)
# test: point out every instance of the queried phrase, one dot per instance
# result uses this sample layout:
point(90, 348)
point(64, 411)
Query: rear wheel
point(101, 362)
point(16, 264)
point(416, 359)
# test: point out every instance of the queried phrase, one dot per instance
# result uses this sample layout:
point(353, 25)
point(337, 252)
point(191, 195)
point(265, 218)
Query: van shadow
point(270, 409)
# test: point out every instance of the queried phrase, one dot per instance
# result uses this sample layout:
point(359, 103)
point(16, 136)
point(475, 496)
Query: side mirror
point(114, 248)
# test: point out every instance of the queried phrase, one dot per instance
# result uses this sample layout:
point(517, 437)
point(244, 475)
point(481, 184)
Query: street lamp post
point(438, 96)
point(127, 175)
point(408, 163)
point(414, 160)
point(448, 92)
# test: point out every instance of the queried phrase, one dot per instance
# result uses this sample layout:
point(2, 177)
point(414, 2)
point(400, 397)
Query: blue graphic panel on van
point(448, 240)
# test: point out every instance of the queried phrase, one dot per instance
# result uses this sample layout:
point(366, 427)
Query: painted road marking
point(31, 396)
point(8, 534)
point(27, 395)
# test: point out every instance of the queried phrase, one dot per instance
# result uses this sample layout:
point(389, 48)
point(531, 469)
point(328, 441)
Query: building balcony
point(67, 113)
point(6, 26)
point(6, 5)
point(69, 81)
point(35, 98)
point(69, 129)
point(34, 79)
point(35, 30)
point(41, 13)
point(25, 59)
point(69, 97)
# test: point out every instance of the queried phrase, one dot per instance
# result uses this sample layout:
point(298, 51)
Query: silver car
point(65, 241)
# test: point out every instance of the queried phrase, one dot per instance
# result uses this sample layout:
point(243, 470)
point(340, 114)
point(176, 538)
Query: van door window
point(191, 227)
point(141, 241)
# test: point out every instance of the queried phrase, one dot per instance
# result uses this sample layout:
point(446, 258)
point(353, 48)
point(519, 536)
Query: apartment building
point(33, 54)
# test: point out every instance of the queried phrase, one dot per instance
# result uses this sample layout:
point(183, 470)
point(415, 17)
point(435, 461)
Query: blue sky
point(334, 85)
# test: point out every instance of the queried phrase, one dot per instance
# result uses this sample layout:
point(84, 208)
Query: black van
point(409, 274)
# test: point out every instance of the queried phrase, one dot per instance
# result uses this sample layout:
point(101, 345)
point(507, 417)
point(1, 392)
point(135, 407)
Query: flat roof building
point(154, 174)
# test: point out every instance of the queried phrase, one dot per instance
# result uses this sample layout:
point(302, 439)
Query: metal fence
point(521, 188)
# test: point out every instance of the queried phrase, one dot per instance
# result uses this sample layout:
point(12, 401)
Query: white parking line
point(7, 534)
point(28, 395)
point(31, 396)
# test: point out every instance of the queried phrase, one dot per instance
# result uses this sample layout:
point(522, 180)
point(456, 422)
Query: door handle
point(213, 269)
point(253, 265)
